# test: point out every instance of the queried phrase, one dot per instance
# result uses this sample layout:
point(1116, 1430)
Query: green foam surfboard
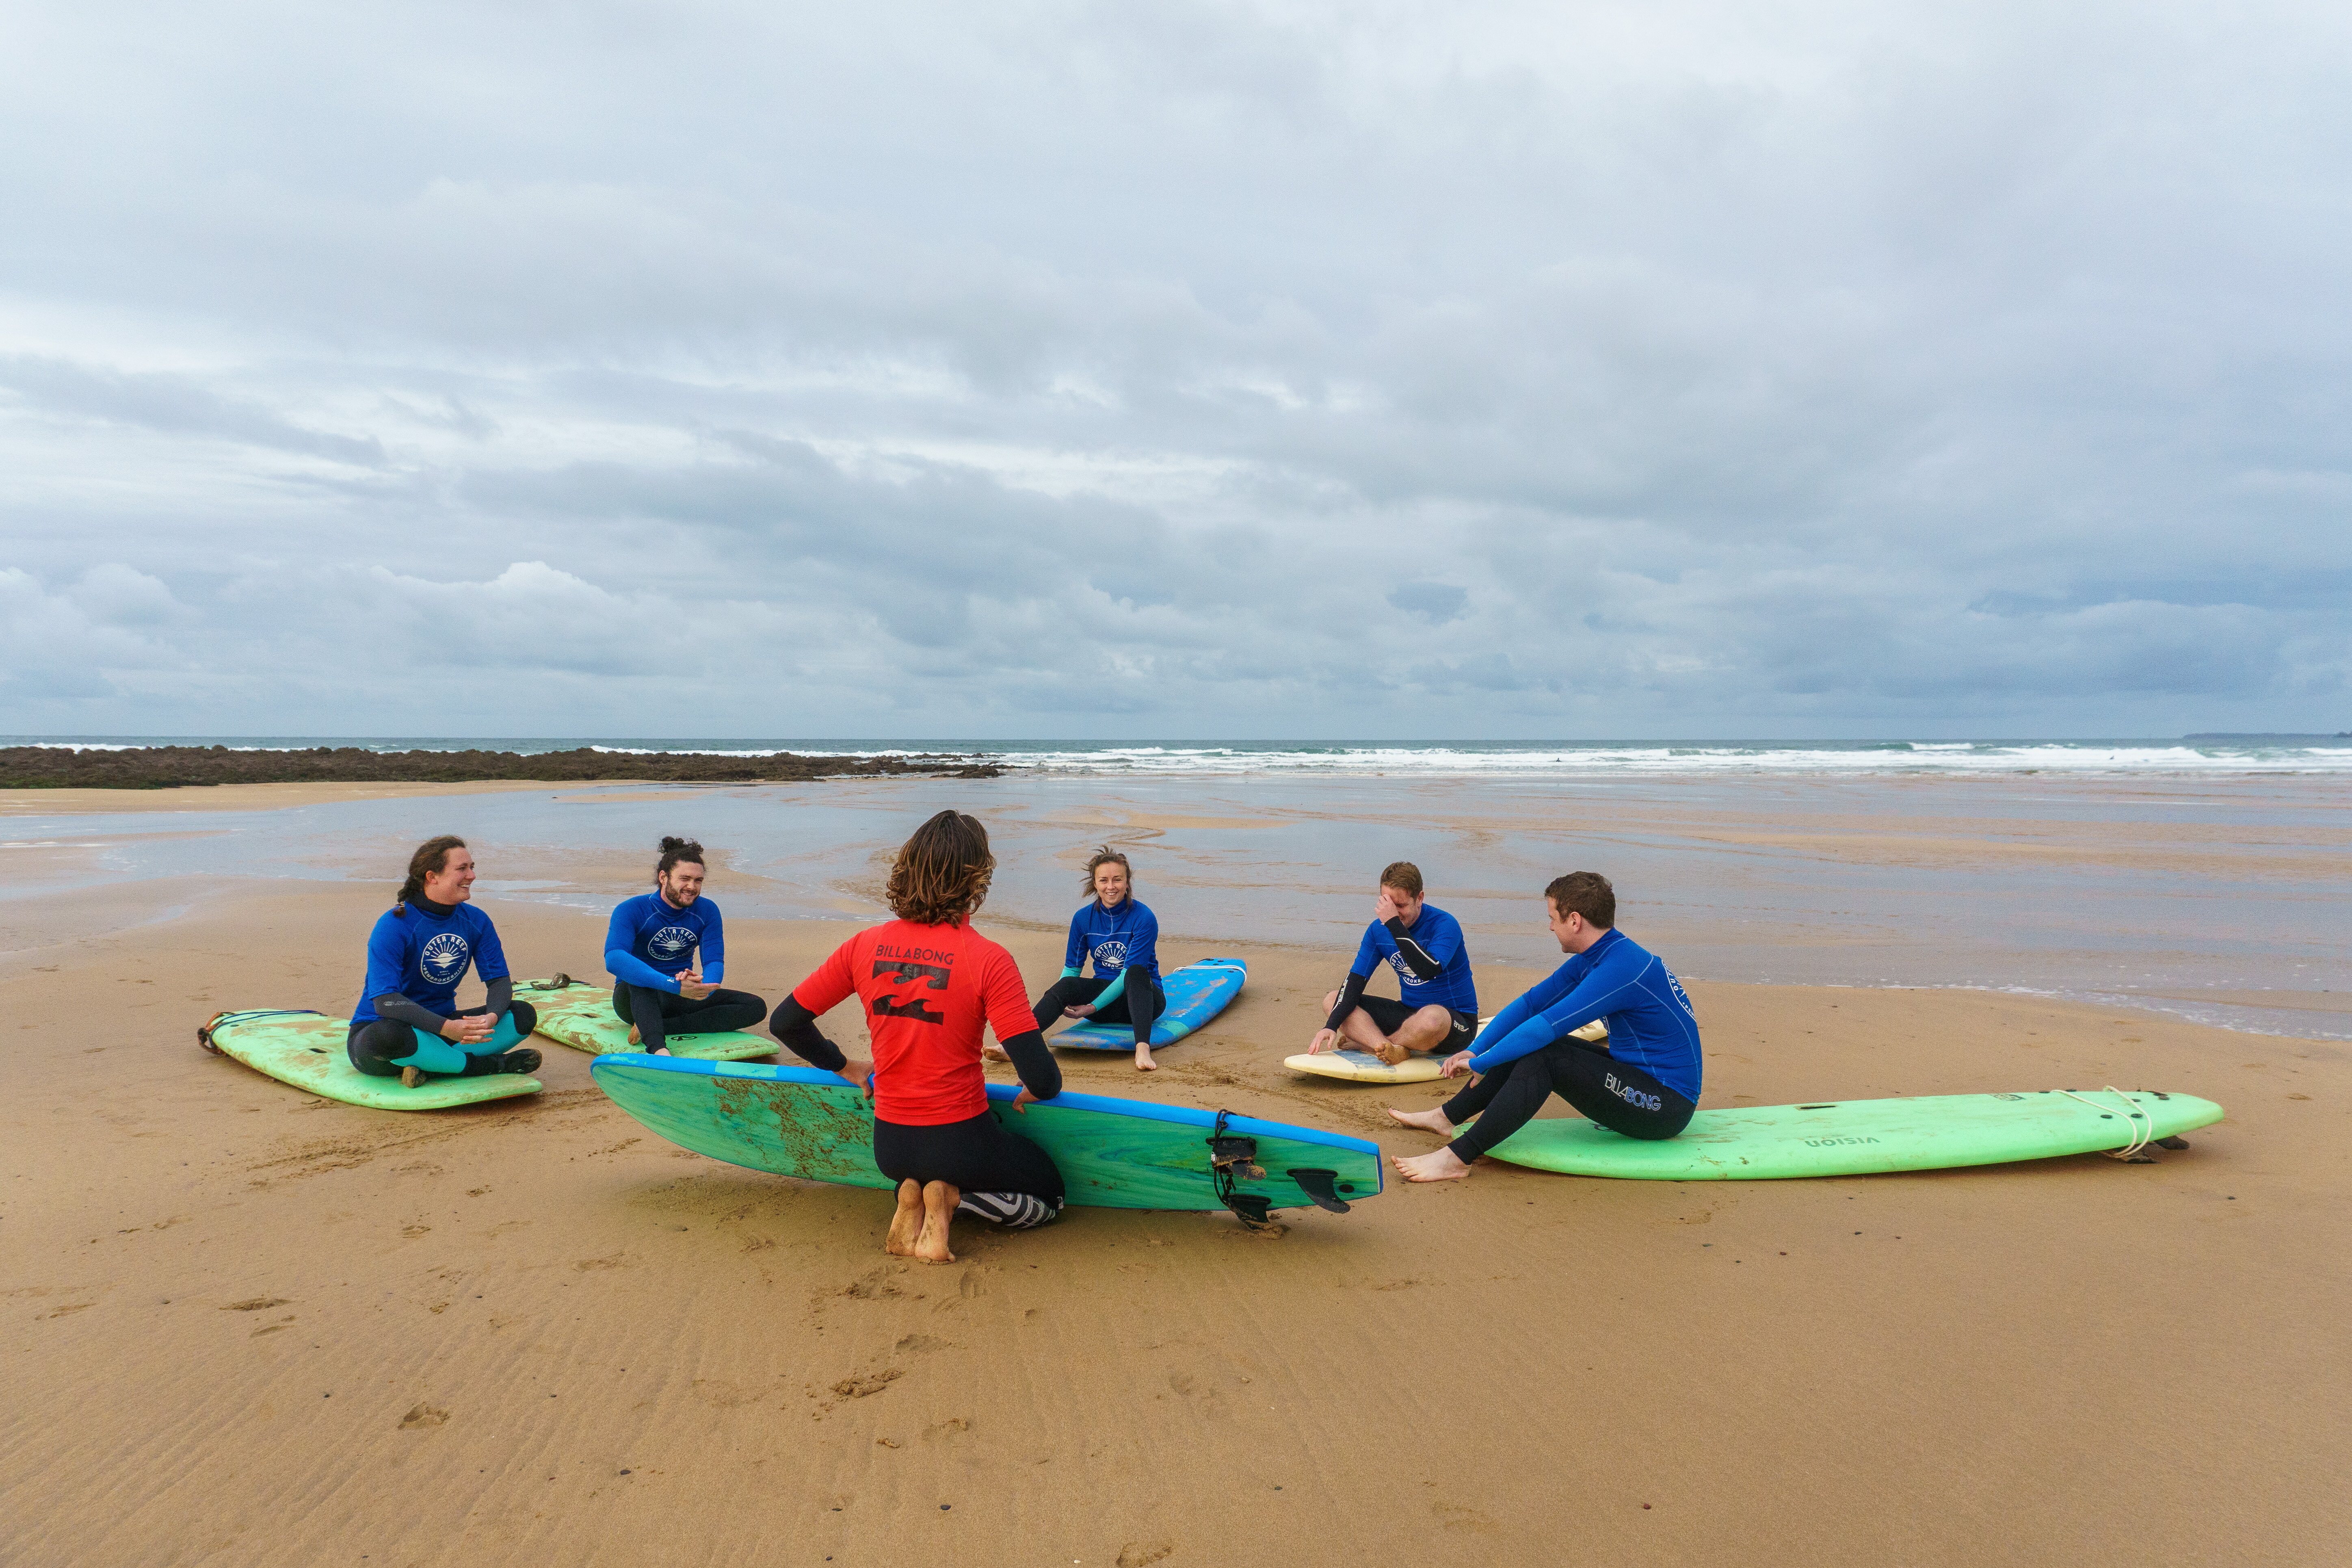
point(1112, 1153)
point(576, 1014)
point(1864, 1137)
point(306, 1049)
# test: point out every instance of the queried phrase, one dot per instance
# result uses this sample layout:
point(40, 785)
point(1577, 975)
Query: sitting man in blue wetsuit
point(657, 988)
point(1437, 1007)
point(1641, 1081)
point(407, 1025)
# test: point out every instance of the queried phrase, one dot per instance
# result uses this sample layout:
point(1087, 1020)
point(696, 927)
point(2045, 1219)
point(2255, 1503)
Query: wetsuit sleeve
point(1534, 1000)
point(502, 996)
point(1074, 954)
point(621, 960)
point(490, 954)
point(1112, 992)
point(1350, 995)
point(714, 948)
point(1041, 1075)
point(1143, 947)
point(796, 1026)
point(1426, 962)
point(829, 983)
point(400, 1009)
point(1595, 988)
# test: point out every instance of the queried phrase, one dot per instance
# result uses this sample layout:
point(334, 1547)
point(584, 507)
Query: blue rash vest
point(651, 939)
point(1119, 940)
point(1651, 1024)
point(1439, 935)
point(423, 957)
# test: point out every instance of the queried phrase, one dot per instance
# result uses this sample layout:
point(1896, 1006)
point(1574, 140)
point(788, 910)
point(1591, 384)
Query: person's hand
point(1456, 1065)
point(1024, 1099)
point(690, 985)
point(1324, 1040)
point(856, 1074)
point(470, 1030)
point(1086, 1011)
point(1384, 909)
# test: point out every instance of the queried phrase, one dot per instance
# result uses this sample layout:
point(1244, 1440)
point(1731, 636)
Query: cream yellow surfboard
point(1363, 1066)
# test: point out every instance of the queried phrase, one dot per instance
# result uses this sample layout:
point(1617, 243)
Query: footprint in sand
point(424, 1416)
point(1136, 1554)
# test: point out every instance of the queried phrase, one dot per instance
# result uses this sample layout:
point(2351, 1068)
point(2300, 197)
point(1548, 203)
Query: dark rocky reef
point(170, 767)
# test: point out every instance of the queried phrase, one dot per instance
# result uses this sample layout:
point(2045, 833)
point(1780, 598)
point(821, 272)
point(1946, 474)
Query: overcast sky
point(1146, 370)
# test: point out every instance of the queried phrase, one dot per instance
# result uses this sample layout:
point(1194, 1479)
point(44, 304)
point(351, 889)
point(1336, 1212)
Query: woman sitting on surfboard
point(408, 1025)
point(666, 950)
point(1642, 1082)
point(929, 982)
point(1122, 937)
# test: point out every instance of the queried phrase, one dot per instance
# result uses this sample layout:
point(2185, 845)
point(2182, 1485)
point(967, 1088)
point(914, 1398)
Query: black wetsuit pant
point(1137, 1005)
point(1003, 1177)
point(658, 1014)
point(1621, 1098)
point(381, 1046)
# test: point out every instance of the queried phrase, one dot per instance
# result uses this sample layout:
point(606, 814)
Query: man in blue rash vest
point(658, 989)
point(1438, 1004)
point(1642, 1082)
point(407, 1025)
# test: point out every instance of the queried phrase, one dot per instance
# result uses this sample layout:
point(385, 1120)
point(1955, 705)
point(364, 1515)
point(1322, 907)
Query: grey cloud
point(1673, 366)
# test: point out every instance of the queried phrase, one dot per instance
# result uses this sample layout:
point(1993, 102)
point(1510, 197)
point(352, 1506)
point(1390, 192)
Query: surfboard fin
point(1317, 1185)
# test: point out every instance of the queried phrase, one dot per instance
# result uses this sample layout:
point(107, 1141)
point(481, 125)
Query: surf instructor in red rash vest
point(929, 982)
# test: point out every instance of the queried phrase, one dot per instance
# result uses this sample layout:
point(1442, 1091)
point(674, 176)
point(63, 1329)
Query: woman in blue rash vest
point(1121, 936)
point(408, 1025)
point(1643, 1081)
point(650, 948)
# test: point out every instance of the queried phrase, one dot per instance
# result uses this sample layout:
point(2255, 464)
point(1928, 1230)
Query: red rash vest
point(926, 991)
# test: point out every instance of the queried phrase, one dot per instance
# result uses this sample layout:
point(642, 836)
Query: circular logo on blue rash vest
point(671, 942)
point(1404, 976)
point(443, 958)
point(1110, 955)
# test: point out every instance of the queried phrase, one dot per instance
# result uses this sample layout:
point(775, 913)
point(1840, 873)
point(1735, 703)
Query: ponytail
point(674, 850)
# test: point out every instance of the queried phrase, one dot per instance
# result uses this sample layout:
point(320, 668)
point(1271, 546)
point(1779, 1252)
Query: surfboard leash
point(2143, 1125)
point(1234, 1159)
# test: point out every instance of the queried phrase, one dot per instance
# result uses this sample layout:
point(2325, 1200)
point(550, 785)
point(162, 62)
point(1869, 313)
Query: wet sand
point(247, 1326)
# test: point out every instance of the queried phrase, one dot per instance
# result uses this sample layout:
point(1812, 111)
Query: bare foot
point(907, 1224)
point(1390, 1053)
point(939, 1201)
point(658, 1051)
point(1443, 1165)
point(1427, 1120)
point(994, 1054)
point(411, 1077)
point(634, 1037)
point(1143, 1062)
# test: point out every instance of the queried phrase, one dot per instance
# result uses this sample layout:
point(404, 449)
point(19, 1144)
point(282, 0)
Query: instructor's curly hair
point(942, 874)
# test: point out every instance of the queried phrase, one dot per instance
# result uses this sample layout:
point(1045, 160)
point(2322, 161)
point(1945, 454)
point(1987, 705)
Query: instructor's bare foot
point(1443, 1165)
point(907, 1224)
point(1143, 1062)
point(939, 1201)
point(1427, 1120)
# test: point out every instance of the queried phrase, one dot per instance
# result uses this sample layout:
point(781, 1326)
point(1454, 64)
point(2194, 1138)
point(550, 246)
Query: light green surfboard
point(1864, 1137)
point(1112, 1153)
point(306, 1049)
point(576, 1014)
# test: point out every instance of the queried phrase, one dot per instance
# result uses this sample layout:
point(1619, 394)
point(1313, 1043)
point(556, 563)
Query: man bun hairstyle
point(1586, 893)
point(674, 850)
point(431, 856)
point(942, 873)
point(1403, 875)
point(1107, 855)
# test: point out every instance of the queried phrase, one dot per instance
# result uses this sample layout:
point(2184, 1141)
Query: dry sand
point(245, 1326)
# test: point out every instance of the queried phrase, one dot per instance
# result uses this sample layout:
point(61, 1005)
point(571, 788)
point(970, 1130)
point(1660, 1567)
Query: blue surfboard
point(1112, 1153)
point(1196, 993)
